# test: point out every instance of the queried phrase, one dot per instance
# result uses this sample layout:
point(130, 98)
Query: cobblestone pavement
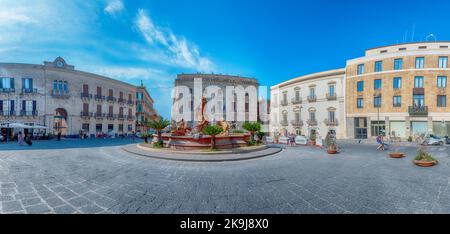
point(298, 180)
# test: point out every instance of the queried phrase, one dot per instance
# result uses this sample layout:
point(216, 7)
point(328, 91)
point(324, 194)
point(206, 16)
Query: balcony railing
point(284, 123)
point(7, 90)
point(99, 97)
point(121, 116)
point(297, 123)
point(333, 122)
point(130, 117)
point(110, 99)
point(86, 95)
point(296, 101)
point(28, 113)
point(331, 97)
point(60, 94)
point(418, 110)
point(7, 113)
point(312, 98)
point(86, 114)
point(284, 103)
point(29, 91)
point(121, 100)
point(111, 116)
point(311, 122)
point(99, 115)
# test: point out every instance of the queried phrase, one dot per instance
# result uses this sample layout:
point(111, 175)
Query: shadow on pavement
point(69, 144)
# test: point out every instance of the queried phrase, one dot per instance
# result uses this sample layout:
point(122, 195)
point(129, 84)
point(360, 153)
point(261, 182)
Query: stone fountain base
point(204, 142)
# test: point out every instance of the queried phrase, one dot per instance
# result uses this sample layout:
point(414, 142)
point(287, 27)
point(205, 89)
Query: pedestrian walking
point(20, 138)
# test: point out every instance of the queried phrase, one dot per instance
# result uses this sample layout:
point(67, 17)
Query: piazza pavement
point(98, 176)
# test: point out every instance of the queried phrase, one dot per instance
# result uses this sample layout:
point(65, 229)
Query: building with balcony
point(324, 105)
point(66, 100)
point(399, 88)
point(144, 109)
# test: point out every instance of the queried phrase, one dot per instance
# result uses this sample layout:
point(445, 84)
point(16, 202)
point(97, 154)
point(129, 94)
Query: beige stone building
point(144, 109)
point(307, 104)
point(250, 102)
point(400, 88)
point(65, 100)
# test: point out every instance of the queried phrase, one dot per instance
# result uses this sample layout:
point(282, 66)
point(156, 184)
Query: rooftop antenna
point(431, 35)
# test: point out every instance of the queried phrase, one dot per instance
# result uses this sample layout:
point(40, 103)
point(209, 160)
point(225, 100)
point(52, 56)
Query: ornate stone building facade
point(144, 109)
point(249, 102)
point(65, 100)
point(309, 104)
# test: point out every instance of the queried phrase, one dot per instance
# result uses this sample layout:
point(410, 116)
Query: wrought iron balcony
point(28, 113)
point(331, 97)
point(418, 110)
point(312, 98)
point(99, 115)
point(296, 101)
point(284, 123)
point(7, 90)
point(297, 123)
point(284, 103)
point(7, 113)
point(86, 95)
point(99, 97)
point(311, 122)
point(86, 114)
point(111, 116)
point(29, 91)
point(121, 116)
point(122, 100)
point(333, 122)
point(111, 99)
point(60, 94)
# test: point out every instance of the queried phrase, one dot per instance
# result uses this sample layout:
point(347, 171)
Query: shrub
point(237, 131)
point(260, 135)
point(158, 145)
point(422, 155)
point(213, 131)
point(410, 139)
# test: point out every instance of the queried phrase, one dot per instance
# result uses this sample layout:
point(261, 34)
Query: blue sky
point(271, 40)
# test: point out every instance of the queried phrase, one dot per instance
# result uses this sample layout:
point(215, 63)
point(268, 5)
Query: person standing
point(59, 136)
point(20, 138)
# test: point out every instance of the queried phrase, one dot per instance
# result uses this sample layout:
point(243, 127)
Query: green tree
point(158, 125)
point(252, 127)
point(213, 131)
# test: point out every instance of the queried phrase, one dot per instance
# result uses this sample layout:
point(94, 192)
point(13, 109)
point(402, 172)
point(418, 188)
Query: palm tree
point(213, 131)
point(158, 125)
point(252, 128)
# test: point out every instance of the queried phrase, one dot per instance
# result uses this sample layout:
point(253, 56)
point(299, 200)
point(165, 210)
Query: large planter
point(425, 163)
point(332, 151)
point(397, 155)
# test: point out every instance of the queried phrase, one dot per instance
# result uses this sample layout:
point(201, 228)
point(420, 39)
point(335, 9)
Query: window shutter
point(24, 103)
point(1, 105)
point(31, 83)
point(12, 105)
point(12, 83)
point(23, 83)
point(34, 105)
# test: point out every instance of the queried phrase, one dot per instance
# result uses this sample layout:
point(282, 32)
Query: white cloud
point(178, 50)
point(12, 17)
point(113, 7)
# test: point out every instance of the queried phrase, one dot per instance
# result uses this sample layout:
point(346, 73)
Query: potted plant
point(331, 145)
point(312, 138)
point(158, 125)
point(213, 131)
point(395, 144)
point(424, 159)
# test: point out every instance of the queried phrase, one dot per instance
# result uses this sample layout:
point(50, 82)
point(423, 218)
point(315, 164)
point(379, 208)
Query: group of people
point(24, 138)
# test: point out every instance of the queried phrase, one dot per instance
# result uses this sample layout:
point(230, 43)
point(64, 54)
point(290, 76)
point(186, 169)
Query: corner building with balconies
point(400, 88)
point(66, 100)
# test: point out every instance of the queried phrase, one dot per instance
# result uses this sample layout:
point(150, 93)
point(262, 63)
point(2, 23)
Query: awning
point(21, 125)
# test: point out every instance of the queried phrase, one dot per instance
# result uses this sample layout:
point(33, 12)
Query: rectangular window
point(312, 116)
point(360, 69)
point(420, 62)
point(442, 82)
point(7, 83)
point(85, 127)
point(443, 62)
point(331, 90)
point(397, 82)
point(398, 64)
point(419, 100)
point(139, 96)
point(65, 87)
point(27, 83)
point(297, 117)
point(397, 102)
point(442, 100)
point(312, 92)
point(360, 86)
point(360, 103)
point(331, 116)
point(377, 84)
point(378, 66)
point(377, 101)
point(418, 82)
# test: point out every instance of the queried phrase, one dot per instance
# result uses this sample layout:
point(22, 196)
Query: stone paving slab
point(201, 157)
